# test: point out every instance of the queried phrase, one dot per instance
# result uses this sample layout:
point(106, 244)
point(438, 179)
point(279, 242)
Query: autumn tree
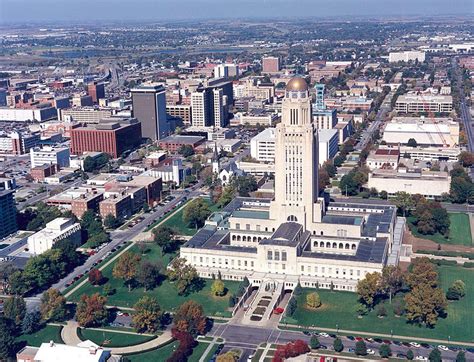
point(369, 288)
point(196, 212)
point(95, 276)
point(392, 280)
point(456, 291)
point(91, 310)
point(218, 288)
point(148, 274)
point(422, 271)
point(126, 267)
point(190, 318)
point(14, 308)
point(313, 300)
point(404, 202)
point(148, 315)
point(53, 306)
point(424, 304)
point(184, 275)
point(466, 158)
point(163, 237)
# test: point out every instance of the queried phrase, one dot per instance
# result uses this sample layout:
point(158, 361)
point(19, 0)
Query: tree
point(466, 158)
point(31, 322)
point(190, 318)
point(435, 355)
point(456, 291)
point(361, 348)
point(148, 274)
point(313, 300)
point(196, 212)
point(410, 355)
point(298, 290)
point(337, 344)
point(148, 315)
point(291, 307)
point(403, 201)
point(186, 150)
point(244, 185)
point(461, 190)
point(53, 306)
point(163, 237)
point(126, 267)
point(14, 309)
point(369, 288)
point(183, 274)
point(146, 208)
point(385, 351)
point(218, 288)
point(111, 222)
point(424, 304)
point(314, 342)
point(422, 271)
point(7, 338)
point(361, 309)
point(461, 356)
point(392, 280)
point(91, 311)
point(6, 270)
point(95, 276)
point(381, 311)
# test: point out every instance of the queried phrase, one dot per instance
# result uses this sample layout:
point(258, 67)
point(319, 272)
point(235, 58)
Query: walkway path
point(70, 337)
point(208, 349)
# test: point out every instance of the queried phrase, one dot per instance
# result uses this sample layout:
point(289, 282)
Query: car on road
point(370, 340)
point(401, 355)
point(359, 339)
point(323, 347)
point(351, 350)
point(415, 344)
point(370, 351)
point(323, 334)
point(306, 333)
point(378, 340)
point(350, 337)
point(443, 347)
point(386, 341)
point(420, 358)
point(426, 345)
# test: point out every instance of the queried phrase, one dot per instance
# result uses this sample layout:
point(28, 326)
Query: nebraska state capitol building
point(298, 236)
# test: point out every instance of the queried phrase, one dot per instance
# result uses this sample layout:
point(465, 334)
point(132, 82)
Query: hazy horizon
point(35, 11)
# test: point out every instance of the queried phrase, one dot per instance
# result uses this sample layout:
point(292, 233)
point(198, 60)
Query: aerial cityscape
point(257, 181)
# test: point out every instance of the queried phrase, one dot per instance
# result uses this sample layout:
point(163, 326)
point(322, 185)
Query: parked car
point(323, 334)
point(370, 351)
point(415, 344)
point(443, 347)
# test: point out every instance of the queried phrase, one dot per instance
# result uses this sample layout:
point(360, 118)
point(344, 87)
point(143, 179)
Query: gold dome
point(297, 84)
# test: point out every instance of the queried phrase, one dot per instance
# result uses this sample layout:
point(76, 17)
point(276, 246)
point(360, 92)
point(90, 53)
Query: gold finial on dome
point(297, 84)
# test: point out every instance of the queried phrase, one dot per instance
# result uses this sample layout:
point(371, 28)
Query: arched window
point(328, 244)
point(244, 238)
point(292, 218)
point(321, 244)
point(238, 237)
point(254, 239)
point(347, 246)
point(341, 246)
point(353, 246)
point(322, 232)
point(334, 245)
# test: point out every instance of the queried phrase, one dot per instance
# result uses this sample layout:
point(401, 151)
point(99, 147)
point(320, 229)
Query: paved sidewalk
point(388, 336)
point(208, 349)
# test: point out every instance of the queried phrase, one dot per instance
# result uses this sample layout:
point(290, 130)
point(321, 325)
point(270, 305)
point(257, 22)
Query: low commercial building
point(430, 184)
point(113, 136)
point(84, 114)
point(328, 144)
point(39, 173)
point(59, 229)
point(259, 117)
point(172, 171)
point(49, 155)
point(174, 142)
point(227, 145)
point(86, 351)
point(78, 199)
point(431, 153)
point(419, 103)
point(425, 131)
point(257, 169)
point(383, 158)
point(27, 114)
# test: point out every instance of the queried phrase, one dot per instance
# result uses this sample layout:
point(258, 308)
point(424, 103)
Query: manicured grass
point(211, 352)
point(44, 335)
point(198, 352)
point(339, 309)
point(112, 339)
point(165, 293)
point(459, 231)
point(159, 354)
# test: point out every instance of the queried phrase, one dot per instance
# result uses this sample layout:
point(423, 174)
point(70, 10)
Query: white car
point(323, 334)
point(415, 344)
point(370, 351)
point(421, 358)
point(119, 313)
point(443, 348)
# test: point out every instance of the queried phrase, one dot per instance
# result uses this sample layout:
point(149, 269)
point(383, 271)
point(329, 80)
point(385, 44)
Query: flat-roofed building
point(84, 114)
point(325, 119)
point(8, 223)
point(430, 184)
point(328, 144)
point(416, 103)
point(174, 142)
point(118, 205)
point(180, 111)
point(262, 146)
point(271, 65)
point(59, 229)
point(49, 155)
point(383, 158)
point(411, 55)
point(78, 199)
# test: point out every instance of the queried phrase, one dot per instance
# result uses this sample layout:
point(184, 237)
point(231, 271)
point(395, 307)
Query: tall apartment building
point(96, 91)
point(201, 108)
point(219, 109)
point(149, 107)
point(49, 155)
point(112, 136)
point(8, 223)
point(226, 71)
point(271, 65)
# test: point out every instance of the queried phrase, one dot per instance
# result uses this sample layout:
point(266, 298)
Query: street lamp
point(391, 333)
point(449, 339)
point(337, 328)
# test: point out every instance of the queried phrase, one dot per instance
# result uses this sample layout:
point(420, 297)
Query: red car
point(359, 339)
point(278, 310)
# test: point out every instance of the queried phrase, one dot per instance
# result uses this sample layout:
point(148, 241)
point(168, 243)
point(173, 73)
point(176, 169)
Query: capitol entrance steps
point(267, 299)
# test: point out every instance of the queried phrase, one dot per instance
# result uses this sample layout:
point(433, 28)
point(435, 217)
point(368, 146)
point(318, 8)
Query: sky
point(21, 11)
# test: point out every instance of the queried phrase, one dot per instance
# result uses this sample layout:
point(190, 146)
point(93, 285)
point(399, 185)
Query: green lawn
point(212, 351)
point(44, 335)
point(339, 309)
point(159, 354)
point(112, 339)
point(198, 351)
point(165, 293)
point(459, 231)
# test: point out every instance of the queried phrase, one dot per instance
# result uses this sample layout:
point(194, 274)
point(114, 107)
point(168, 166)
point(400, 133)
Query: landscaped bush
point(468, 264)
point(447, 253)
point(443, 262)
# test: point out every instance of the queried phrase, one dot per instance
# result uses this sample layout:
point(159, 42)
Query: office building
point(50, 155)
point(32, 114)
point(271, 65)
point(181, 112)
point(201, 108)
point(96, 91)
point(407, 56)
point(59, 229)
point(149, 107)
point(84, 114)
point(78, 199)
point(219, 109)
point(328, 140)
point(325, 119)
point(262, 146)
point(174, 142)
point(113, 136)
point(297, 237)
point(82, 101)
point(18, 143)
point(8, 223)
point(418, 103)
point(387, 158)
point(226, 71)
